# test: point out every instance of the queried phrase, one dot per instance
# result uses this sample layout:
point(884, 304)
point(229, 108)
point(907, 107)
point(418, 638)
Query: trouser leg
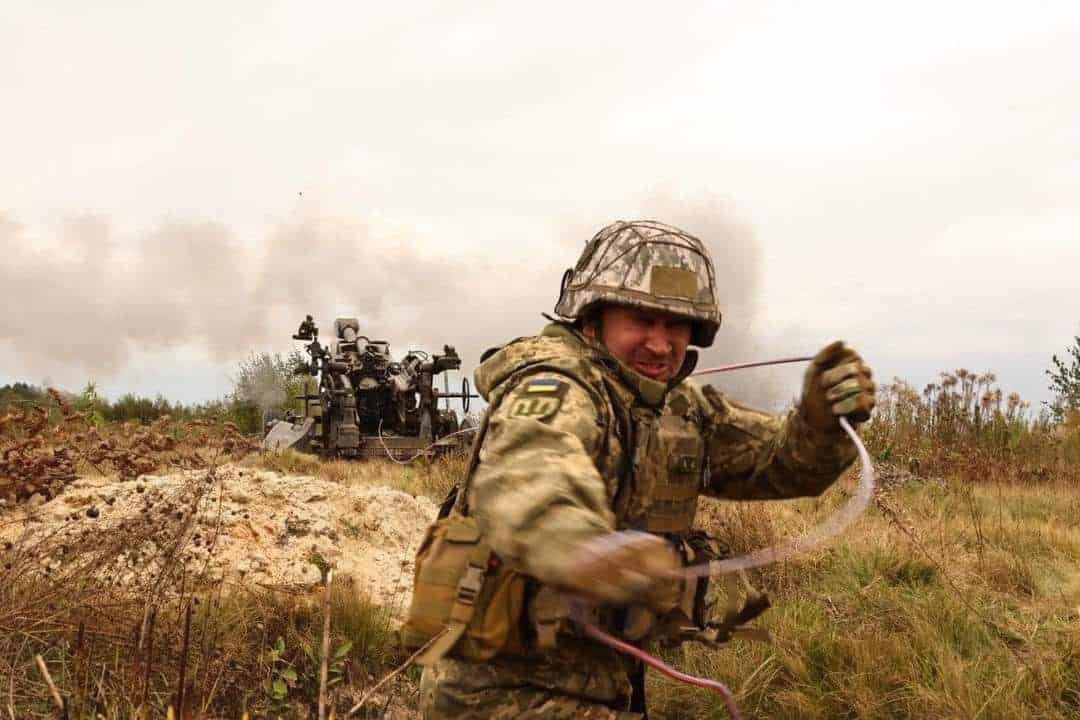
point(442, 700)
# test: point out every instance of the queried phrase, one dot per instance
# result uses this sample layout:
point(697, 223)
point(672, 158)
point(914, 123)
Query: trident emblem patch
point(539, 399)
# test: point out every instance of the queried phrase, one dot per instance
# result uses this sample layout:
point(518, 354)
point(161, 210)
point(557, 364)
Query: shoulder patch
point(538, 399)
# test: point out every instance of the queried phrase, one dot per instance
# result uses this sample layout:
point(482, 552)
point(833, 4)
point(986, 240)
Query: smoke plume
point(736, 253)
point(94, 296)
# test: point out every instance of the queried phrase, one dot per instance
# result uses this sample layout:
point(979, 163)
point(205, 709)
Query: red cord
point(740, 366)
point(657, 664)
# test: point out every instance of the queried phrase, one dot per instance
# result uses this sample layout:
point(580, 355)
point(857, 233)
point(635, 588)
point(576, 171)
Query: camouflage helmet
point(645, 264)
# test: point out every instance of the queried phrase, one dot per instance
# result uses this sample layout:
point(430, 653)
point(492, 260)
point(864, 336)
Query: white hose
point(816, 537)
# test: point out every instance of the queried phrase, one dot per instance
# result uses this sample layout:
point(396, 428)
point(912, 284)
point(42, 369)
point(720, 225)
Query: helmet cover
point(645, 264)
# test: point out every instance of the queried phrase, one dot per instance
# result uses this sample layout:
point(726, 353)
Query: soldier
point(587, 474)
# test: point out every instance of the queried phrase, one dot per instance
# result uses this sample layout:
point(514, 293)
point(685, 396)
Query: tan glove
point(836, 383)
point(623, 568)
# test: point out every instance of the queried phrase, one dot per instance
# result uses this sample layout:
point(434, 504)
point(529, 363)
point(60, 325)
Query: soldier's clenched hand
point(837, 383)
point(620, 568)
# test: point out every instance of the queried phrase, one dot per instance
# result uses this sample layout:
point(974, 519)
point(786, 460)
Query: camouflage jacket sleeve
point(757, 456)
point(537, 490)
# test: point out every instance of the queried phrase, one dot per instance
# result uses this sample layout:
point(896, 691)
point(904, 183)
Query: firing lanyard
point(816, 537)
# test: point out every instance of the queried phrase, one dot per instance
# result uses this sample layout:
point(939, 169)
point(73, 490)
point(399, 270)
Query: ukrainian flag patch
point(543, 385)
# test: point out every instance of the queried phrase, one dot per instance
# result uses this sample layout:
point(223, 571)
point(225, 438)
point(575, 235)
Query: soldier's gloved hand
point(836, 383)
point(622, 568)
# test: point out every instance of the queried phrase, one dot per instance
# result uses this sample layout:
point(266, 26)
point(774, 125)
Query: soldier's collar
point(653, 393)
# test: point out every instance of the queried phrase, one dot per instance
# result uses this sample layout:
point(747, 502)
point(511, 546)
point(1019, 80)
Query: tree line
point(266, 385)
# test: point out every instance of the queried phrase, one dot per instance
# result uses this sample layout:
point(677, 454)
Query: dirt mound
point(248, 527)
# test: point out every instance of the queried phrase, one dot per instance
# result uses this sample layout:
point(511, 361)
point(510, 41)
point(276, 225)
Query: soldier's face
point(651, 342)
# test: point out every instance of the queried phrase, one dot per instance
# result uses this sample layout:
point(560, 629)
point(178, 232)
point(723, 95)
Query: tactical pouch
point(465, 602)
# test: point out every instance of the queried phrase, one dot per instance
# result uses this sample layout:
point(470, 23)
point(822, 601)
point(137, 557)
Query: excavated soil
point(248, 526)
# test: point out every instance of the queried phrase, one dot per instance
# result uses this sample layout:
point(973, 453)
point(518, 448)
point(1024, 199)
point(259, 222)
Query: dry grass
point(965, 425)
point(228, 664)
point(430, 478)
point(947, 601)
point(124, 626)
point(955, 597)
point(45, 447)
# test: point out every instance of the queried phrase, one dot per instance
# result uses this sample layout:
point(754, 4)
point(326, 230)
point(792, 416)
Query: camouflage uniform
point(579, 448)
point(579, 444)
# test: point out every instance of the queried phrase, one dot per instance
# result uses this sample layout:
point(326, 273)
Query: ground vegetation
point(955, 596)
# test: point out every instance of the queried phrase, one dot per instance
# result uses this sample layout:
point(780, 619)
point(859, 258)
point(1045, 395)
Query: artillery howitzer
point(360, 402)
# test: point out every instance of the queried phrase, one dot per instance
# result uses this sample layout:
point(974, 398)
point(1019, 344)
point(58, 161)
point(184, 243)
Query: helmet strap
point(564, 284)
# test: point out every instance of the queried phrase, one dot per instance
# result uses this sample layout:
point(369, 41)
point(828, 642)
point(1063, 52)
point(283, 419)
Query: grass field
point(957, 595)
point(947, 600)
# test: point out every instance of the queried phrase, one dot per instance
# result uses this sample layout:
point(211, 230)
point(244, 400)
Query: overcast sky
point(180, 183)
